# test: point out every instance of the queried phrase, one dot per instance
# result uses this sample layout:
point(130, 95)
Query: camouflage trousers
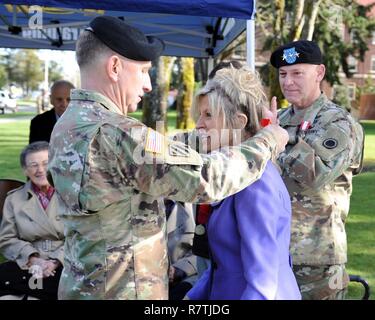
point(327, 282)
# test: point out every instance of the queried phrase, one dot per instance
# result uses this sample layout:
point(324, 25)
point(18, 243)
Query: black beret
point(302, 51)
point(125, 39)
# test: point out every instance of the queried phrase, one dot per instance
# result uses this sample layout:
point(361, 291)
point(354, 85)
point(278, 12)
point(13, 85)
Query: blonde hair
point(232, 91)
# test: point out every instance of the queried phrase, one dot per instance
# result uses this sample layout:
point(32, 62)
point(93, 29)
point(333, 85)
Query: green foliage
point(24, 68)
point(3, 76)
point(341, 97)
point(368, 87)
point(55, 71)
point(279, 24)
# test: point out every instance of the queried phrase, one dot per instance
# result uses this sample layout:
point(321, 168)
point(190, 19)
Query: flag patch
point(154, 142)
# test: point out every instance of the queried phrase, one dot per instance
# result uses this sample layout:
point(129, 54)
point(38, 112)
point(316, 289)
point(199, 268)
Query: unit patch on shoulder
point(330, 143)
point(178, 150)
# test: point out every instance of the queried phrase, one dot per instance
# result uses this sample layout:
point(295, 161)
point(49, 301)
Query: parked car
point(7, 102)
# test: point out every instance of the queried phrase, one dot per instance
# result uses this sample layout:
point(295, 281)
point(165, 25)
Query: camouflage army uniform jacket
point(317, 167)
point(112, 172)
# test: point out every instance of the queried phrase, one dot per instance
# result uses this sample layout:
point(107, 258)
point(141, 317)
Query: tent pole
point(250, 43)
point(210, 64)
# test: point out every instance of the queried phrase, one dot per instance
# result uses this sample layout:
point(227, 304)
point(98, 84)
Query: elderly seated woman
point(31, 233)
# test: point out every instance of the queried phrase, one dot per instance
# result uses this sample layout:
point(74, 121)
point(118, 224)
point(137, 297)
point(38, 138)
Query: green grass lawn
point(360, 224)
point(369, 161)
point(360, 229)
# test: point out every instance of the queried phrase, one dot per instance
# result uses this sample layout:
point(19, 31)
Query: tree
point(55, 71)
point(283, 21)
point(7, 63)
point(185, 96)
point(341, 97)
point(26, 70)
point(155, 104)
point(3, 76)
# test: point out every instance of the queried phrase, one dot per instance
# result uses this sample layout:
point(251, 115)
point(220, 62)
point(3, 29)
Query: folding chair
point(355, 278)
point(5, 186)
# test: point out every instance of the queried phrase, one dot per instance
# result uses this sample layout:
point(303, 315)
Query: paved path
point(23, 108)
point(7, 120)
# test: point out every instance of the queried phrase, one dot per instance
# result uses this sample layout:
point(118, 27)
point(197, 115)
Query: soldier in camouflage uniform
point(324, 151)
point(112, 172)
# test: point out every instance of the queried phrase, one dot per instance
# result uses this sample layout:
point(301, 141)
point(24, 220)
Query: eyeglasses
point(34, 166)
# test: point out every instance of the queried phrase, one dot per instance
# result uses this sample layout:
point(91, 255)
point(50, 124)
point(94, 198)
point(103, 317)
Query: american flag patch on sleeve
point(154, 141)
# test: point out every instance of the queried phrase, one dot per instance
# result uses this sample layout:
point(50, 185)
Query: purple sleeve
point(256, 215)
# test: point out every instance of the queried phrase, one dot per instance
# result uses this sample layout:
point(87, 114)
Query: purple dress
point(249, 235)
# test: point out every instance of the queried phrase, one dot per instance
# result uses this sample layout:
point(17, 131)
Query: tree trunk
point(277, 41)
point(184, 120)
point(299, 20)
point(312, 20)
point(154, 107)
point(155, 104)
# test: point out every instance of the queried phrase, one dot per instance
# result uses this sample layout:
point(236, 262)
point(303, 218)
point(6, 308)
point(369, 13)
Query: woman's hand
point(50, 268)
point(271, 113)
point(42, 268)
point(37, 266)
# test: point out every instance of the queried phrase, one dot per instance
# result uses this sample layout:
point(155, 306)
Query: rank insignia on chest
point(154, 142)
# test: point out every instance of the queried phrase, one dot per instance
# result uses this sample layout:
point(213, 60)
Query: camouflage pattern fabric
point(322, 282)
point(318, 165)
point(112, 172)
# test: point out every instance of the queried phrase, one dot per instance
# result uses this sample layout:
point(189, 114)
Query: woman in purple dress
point(248, 232)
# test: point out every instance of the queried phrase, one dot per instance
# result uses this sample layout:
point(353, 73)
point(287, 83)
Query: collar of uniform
point(288, 118)
point(89, 95)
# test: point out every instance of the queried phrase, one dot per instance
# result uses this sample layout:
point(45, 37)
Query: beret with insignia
point(125, 39)
point(302, 51)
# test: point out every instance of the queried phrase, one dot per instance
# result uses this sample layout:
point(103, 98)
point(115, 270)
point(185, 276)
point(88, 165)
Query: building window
point(372, 66)
point(352, 64)
point(351, 91)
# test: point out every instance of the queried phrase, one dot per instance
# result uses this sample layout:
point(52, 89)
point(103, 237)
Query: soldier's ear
point(113, 67)
point(321, 70)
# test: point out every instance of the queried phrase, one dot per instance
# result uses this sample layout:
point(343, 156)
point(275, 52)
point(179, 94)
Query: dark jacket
point(41, 126)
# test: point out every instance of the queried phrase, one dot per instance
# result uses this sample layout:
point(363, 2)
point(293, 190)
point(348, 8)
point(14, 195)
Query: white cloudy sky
point(66, 59)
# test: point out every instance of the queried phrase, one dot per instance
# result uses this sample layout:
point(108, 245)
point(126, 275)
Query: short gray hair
point(231, 91)
point(63, 83)
point(89, 48)
point(32, 148)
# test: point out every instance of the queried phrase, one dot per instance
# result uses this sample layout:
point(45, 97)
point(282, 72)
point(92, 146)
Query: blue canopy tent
point(193, 28)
